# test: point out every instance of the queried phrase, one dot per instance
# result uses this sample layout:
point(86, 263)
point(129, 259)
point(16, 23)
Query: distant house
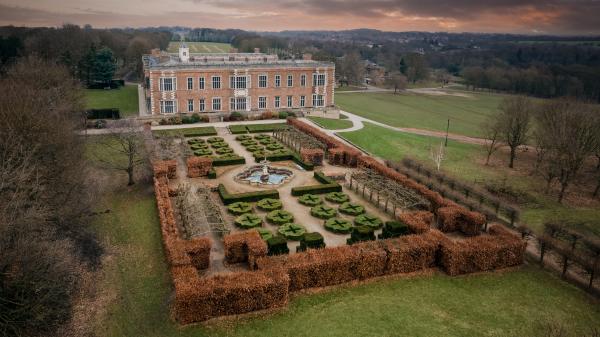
point(212, 83)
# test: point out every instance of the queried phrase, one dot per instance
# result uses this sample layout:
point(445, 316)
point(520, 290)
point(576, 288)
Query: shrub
point(311, 241)
point(351, 209)
point(418, 222)
point(229, 160)
point(339, 226)
point(212, 174)
point(264, 233)
point(239, 207)
point(269, 204)
point(247, 197)
point(368, 220)
point(393, 229)
point(458, 218)
point(203, 153)
point(248, 220)
point(248, 142)
point(186, 120)
point(283, 114)
point(192, 141)
point(257, 128)
point(361, 233)
point(255, 148)
point(215, 140)
point(277, 246)
point(323, 212)
point(242, 138)
point(310, 200)
point(337, 197)
point(199, 146)
point(267, 141)
point(195, 118)
point(292, 231)
point(280, 217)
point(274, 146)
point(218, 145)
point(237, 129)
point(410, 253)
point(329, 185)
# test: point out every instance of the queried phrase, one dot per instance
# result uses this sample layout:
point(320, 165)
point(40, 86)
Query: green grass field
point(125, 99)
point(509, 303)
point(464, 161)
point(201, 47)
point(332, 124)
point(429, 112)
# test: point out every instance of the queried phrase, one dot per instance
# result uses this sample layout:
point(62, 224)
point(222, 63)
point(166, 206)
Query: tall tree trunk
point(513, 153)
point(563, 187)
point(597, 190)
point(130, 176)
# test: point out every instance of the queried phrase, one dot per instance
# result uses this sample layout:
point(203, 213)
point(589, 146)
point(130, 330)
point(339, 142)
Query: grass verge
point(332, 124)
point(125, 99)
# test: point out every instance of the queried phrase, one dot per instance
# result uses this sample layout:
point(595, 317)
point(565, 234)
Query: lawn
point(125, 99)
point(465, 161)
point(349, 88)
point(514, 303)
point(201, 47)
point(421, 111)
point(332, 124)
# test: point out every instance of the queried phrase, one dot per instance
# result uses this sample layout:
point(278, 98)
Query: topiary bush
point(311, 241)
point(219, 145)
point(279, 152)
point(195, 141)
point(203, 153)
point(261, 136)
point(361, 233)
point(265, 234)
point(339, 226)
point(323, 212)
point(224, 150)
point(368, 220)
point(254, 148)
point(199, 147)
point(269, 204)
point(280, 217)
point(249, 142)
point(277, 245)
point(337, 197)
point(215, 140)
point(351, 209)
point(274, 147)
point(267, 141)
point(292, 231)
point(248, 220)
point(240, 207)
point(243, 138)
point(310, 200)
point(393, 229)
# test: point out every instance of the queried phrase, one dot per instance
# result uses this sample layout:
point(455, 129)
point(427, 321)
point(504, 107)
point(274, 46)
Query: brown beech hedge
point(458, 218)
point(499, 249)
point(246, 246)
point(418, 222)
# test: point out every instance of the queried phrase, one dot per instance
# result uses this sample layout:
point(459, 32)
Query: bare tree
point(492, 133)
point(443, 77)
point(123, 150)
point(397, 81)
point(514, 121)
point(437, 154)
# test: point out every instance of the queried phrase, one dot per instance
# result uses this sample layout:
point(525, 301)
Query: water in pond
point(274, 178)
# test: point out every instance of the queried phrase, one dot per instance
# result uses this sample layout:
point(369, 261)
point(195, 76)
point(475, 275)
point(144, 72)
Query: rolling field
point(201, 47)
point(430, 112)
point(125, 99)
point(465, 161)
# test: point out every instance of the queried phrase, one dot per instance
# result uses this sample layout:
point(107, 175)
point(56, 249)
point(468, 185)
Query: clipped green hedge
point(310, 200)
point(281, 156)
point(265, 234)
point(329, 185)
point(242, 138)
point(248, 142)
point(257, 128)
point(237, 129)
point(337, 197)
point(274, 146)
point(267, 141)
point(196, 141)
point(323, 212)
point(361, 233)
point(212, 174)
point(292, 231)
point(203, 153)
point(219, 145)
point(189, 132)
point(229, 160)
point(201, 146)
point(277, 245)
point(394, 229)
point(239, 207)
point(224, 150)
point(339, 226)
point(215, 140)
point(351, 209)
point(248, 220)
point(228, 198)
point(269, 204)
point(280, 217)
point(313, 240)
point(255, 148)
point(368, 220)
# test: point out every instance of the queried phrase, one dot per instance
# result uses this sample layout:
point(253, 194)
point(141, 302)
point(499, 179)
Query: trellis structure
point(297, 140)
point(198, 212)
point(386, 193)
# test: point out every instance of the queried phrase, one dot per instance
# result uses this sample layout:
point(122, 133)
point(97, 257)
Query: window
point(302, 101)
point(201, 83)
point(289, 101)
point(237, 82)
point(303, 80)
point(277, 101)
point(262, 102)
point(190, 83)
point(190, 105)
point(318, 100)
point(277, 81)
point(167, 107)
point(216, 104)
point(167, 84)
point(201, 105)
point(216, 84)
point(237, 103)
point(262, 81)
point(318, 80)
point(290, 81)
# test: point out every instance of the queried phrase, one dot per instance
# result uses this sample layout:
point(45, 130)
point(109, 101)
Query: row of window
point(241, 103)
point(239, 82)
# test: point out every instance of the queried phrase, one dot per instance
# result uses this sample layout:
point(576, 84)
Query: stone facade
point(245, 82)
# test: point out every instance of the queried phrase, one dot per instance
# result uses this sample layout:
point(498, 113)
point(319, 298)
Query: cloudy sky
point(512, 16)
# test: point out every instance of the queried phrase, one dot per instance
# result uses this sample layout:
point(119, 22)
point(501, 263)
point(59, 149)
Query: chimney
point(307, 57)
point(256, 50)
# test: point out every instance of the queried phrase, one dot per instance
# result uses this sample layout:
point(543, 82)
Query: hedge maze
point(399, 225)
